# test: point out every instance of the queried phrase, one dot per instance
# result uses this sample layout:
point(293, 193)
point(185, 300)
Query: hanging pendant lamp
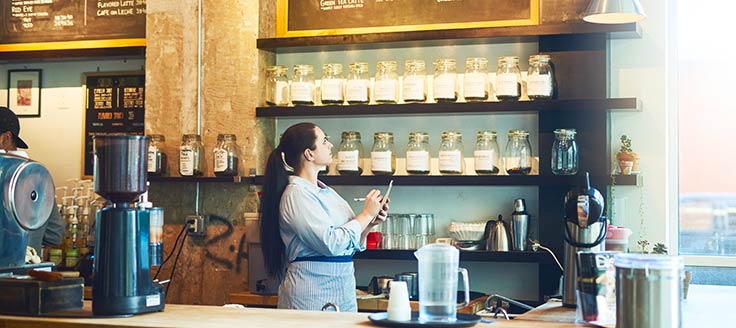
point(614, 12)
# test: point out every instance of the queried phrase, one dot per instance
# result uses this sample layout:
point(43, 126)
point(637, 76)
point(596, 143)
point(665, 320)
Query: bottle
point(486, 153)
point(508, 78)
point(157, 163)
point(565, 152)
point(445, 80)
point(190, 159)
point(519, 226)
point(277, 86)
point(386, 86)
point(226, 155)
point(349, 154)
point(540, 79)
point(518, 156)
point(451, 153)
point(356, 85)
point(417, 153)
point(332, 87)
point(383, 157)
point(302, 85)
point(414, 87)
point(475, 81)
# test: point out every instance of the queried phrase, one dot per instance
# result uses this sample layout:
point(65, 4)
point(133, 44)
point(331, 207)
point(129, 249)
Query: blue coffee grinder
point(121, 275)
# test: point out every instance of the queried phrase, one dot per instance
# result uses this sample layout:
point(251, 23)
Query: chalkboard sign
point(71, 24)
point(115, 106)
point(296, 18)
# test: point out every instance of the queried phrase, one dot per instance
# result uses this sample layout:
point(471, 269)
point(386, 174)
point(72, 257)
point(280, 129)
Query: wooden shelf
point(235, 179)
point(612, 104)
point(474, 256)
point(627, 30)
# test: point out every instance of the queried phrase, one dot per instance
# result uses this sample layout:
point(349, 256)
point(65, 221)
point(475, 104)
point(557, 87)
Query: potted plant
point(628, 160)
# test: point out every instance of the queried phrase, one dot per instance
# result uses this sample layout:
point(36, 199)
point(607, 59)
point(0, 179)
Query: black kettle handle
point(601, 236)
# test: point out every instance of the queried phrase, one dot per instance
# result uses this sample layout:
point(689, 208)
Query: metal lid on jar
point(539, 58)
point(226, 137)
point(508, 60)
point(476, 63)
point(332, 69)
point(277, 69)
point(302, 69)
point(190, 137)
point(452, 135)
point(419, 136)
point(387, 136)
point(445, 64)
point(414, 65)
point(518, 133)
point(350, 135)
point(565, 132)
point(358, 67)
point(157, 137)
point(486, 135)
point(385, 66)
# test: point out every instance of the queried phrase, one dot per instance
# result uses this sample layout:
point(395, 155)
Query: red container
point(373, 240)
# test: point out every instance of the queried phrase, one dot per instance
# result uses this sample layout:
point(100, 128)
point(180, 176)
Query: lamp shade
point(614, 12)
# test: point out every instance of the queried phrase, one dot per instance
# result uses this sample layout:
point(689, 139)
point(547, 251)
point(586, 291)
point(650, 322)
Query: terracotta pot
point(628, 157)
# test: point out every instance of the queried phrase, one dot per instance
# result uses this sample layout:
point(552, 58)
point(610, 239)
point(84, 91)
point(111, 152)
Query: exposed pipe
point(199, 91)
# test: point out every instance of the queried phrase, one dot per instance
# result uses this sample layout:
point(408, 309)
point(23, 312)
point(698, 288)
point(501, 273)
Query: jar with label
point(226, 156)
point(302, 85)
point(565, 152)
point(349, 154)
point(508, 78)
point(475, 81)
point(356, 84)
point(383, 156)
point(540, 79)
point(451, 153)
point(277, 86)
point(417, 153)
point(414, 88)
point(518, 156)
point(157, 163)
point(332, 84)
point(386, 85)
point(190, 156)
point(445, 80)
point(486, 153)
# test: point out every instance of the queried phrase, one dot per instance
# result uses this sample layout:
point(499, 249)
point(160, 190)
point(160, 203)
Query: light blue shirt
point(316, 221)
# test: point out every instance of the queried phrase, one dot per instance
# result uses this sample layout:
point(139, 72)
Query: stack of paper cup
point(398, 302)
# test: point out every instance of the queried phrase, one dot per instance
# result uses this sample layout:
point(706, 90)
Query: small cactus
point(625, 144)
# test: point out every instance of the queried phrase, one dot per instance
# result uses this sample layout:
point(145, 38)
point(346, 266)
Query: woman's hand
point(382, 214)
point(372, 204)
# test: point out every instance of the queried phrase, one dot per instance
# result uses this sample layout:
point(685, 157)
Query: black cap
point(9, 122)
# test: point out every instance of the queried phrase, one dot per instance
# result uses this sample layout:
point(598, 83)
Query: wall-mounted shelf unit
point(475, 256)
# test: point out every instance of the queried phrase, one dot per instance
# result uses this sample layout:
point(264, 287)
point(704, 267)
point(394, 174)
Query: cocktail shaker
point(519, 226)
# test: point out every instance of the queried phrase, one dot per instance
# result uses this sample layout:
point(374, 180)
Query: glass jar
point(157, 163)
point(565, 152)
point(277, 86)
point(349, 154)
point(475, 81)
point(445, 80)
point(451, 153)
point(518, 157)
point(386, 86)
point(508, 78)
point(486, 153)
point(226, 155)
point(383, 156)
point(414, 88)
point(190, 156)
point(417, 153)
point(356, 85)
point(540, 80)
point(302, 85)
point(332, 85)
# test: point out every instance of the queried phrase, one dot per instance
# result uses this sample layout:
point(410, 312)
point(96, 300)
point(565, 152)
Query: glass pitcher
point(438, 269)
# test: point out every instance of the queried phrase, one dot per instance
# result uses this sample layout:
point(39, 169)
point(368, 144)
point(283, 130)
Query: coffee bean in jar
point(226, 155)
point(157, 163)
point(190, 156)
point(349, 154)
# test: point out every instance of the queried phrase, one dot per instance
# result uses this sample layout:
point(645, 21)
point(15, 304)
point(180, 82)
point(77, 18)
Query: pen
point(359, 199)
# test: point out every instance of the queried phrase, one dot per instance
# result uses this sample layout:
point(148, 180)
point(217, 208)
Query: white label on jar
point(302, 91)
point(347, 160)
point(417, 160)
point(281, 93)
point(450, 160)
point(484, 160)
point(539, 85)
point(152, 158)
point(220, 160)
point(474, 85)
point(381, 161)
point(357, 90)
point(332, 89)
point(507, 84)
point(186, 161)
point(444, 86)
point(385, 90)
point(413, 88)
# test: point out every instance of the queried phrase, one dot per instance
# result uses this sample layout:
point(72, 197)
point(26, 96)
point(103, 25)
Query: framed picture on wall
point(24, 92)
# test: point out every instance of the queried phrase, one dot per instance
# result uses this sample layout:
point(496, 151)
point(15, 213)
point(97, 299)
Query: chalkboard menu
point(115, 106)
point(66, 24)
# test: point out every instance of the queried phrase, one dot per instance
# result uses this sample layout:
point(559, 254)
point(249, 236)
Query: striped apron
point(311, 282)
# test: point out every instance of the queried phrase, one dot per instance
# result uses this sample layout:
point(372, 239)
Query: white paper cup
point(398, 302)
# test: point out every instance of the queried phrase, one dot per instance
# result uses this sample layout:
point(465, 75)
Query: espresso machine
point(585, 230)
point(121, 275)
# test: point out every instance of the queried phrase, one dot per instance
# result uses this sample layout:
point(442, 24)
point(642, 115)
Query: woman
point(308, 232)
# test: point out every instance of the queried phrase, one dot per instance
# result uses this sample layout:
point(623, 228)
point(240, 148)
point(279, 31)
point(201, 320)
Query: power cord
point(536, 246)
point(176, 261)
point(176, 242)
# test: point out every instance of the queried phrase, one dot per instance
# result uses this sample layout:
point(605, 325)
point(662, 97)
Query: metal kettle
point(498, 239)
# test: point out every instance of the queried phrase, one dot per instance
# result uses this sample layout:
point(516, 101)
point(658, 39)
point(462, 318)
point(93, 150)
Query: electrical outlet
point(195, 225)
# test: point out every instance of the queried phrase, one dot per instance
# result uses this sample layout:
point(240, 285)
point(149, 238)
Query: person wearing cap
point(52, 232)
